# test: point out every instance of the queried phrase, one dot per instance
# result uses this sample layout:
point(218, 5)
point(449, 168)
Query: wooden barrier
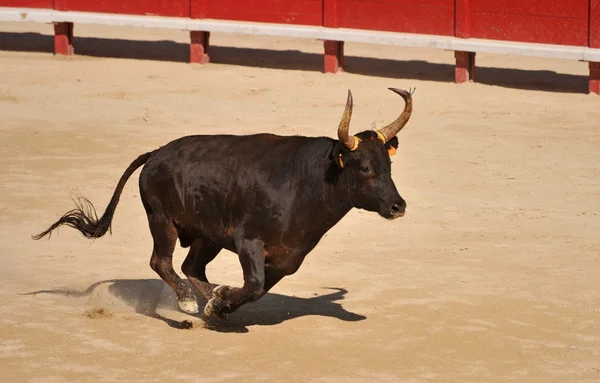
point(542, 28)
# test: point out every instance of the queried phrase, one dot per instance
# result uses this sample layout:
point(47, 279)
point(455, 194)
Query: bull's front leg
point(227, 299)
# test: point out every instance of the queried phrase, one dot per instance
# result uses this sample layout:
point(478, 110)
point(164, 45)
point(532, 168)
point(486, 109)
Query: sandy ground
point(492, 276)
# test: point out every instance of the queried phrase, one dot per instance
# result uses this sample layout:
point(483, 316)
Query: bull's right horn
point(350, 142)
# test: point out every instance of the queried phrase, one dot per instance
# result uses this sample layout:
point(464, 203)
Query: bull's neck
point(326, 196)
point(338, 195)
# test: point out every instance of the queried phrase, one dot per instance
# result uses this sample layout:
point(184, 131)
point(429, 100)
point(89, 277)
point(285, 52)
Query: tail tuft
point(83, 218)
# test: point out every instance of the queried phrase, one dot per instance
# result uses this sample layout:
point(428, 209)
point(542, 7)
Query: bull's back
point(210, 185)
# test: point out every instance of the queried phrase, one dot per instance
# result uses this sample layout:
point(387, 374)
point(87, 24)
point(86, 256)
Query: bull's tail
point(84, 217)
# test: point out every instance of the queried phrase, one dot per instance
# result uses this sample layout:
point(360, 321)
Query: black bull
point(269, 199)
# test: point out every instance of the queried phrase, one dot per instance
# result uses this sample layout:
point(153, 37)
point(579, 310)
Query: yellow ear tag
point(340, 159)
point(391, 150)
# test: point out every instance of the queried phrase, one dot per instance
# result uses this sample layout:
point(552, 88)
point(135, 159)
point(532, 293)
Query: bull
point(267, 198)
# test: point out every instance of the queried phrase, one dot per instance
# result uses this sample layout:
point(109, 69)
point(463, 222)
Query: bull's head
point(365, 157)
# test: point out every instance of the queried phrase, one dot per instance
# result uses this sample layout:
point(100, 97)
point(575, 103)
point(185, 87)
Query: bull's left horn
point(350, 142)
point(392, 129)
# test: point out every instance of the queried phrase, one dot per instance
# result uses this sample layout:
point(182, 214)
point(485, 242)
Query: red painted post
point(199, 47)
point(334, 56)
point(465, 67)
point(465, 61)
point(595, 77)
point(63, 39)
point(334, 50)
point(594, 27)
point(330, 13)
point(461, 19)
point(594, 42)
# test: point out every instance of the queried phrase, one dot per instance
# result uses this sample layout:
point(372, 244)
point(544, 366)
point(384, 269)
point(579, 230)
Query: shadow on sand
point(165, 50)
point(146, 296)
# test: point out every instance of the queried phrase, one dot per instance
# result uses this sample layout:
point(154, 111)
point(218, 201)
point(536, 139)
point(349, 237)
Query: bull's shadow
point(146, 296)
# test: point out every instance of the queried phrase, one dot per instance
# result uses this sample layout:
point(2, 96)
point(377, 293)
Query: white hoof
point(209, 308)
point(217, 291)
point(190, 307)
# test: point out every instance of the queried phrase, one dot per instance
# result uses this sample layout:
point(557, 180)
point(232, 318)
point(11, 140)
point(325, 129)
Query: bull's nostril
point(397, 209)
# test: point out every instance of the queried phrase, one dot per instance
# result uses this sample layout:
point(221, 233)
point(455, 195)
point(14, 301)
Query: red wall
point(413, 16)
point(306, 12)
point(27, 3)
point(178, 8)
point(540, 21)
point(572, 22)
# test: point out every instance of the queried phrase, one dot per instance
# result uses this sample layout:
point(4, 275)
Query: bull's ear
point(392, 145)
point(339, 155)
point(343, 157)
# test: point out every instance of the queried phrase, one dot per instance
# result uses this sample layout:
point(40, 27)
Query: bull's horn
point(350, 142)
point(392, 129)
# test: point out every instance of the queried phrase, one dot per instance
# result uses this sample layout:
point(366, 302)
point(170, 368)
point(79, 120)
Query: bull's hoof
point(219, 291)
point(216, 304)
point(189, 306)
point(214, 308)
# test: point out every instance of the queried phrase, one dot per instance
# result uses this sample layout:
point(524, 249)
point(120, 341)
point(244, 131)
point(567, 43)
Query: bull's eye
point(364, 169)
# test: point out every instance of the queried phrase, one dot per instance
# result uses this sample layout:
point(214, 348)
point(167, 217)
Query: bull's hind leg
point(164, 235)
point(201, 253)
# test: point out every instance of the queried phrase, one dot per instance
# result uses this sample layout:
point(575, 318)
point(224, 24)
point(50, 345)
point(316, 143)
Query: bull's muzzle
point(397, 210)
